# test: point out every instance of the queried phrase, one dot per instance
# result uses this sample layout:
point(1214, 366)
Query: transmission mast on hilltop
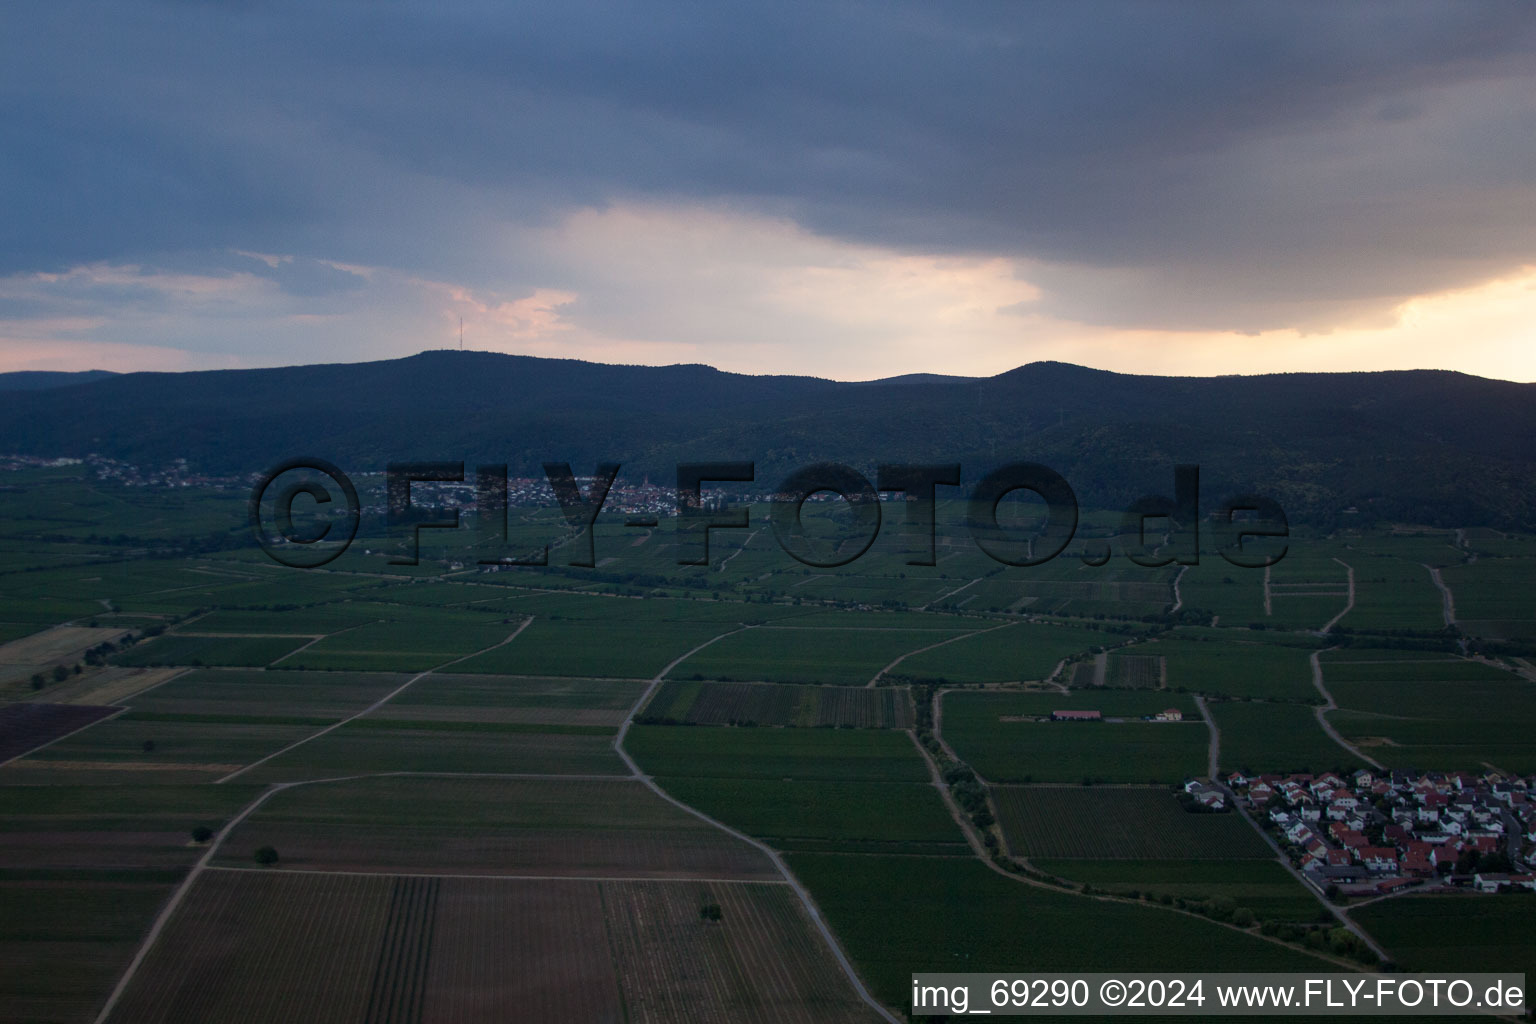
point(461, 334)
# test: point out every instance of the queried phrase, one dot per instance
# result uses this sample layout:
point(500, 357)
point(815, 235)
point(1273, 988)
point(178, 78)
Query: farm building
point(1076, 716)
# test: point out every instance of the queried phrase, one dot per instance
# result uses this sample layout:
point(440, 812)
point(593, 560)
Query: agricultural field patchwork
point(255, 694)
point(475, 842)
point(420, 948)
point(123, 750)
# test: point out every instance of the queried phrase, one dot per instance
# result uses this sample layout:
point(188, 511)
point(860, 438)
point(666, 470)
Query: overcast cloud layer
point(850, 190)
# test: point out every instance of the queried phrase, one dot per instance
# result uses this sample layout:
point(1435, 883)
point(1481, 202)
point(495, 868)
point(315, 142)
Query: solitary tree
point(266, 856)
point(202, 834)
point(149, 746)
point(710, 912)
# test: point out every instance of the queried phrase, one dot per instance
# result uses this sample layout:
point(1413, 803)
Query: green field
point(206, 650)
point(533, 699)
point(174, 808)
point(978, 727)
point(1235, 596)
point(378, 745)
point(1235, 669)
point(1494, 596)
point(317, 621)
point(272, 694)
point(592, 648)
point(64, 944)
point(790, 653)
point(83, 871)
point(114, 751)
point(823, 815)
point(446, 803)
point(1016, 653)
point(711, 703)
point(535, 827)
point(899, 915)
point(1454, 933)
point(1262, 886)
point(800, 754)
point(1443, 715)
point(1118, 823)
point(1264, 737)
point(1391, 592)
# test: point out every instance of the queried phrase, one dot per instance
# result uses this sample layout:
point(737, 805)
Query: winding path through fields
point(1321, 711)
point(1350, 603)
point(727, 559)
point(1213, 752)
point(941, 643)
point(952, 593)
point(1447, 599)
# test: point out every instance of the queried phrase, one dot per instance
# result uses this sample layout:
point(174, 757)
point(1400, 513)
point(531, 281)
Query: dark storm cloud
point(1193, 165)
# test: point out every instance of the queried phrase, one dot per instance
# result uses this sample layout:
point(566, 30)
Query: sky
point(848, 190)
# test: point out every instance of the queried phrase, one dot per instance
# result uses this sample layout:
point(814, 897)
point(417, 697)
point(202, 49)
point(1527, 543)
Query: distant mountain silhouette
point(1422, 446)
point(40, 380)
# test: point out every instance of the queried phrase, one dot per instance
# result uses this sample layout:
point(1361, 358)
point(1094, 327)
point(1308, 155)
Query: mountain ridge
point(1420, 445)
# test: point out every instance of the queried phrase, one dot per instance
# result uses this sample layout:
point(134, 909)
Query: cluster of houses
point(1383, 831)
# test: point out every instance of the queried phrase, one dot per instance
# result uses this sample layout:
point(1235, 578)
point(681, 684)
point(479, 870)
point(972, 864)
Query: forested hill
point(1423, 446)
point(39, 380)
